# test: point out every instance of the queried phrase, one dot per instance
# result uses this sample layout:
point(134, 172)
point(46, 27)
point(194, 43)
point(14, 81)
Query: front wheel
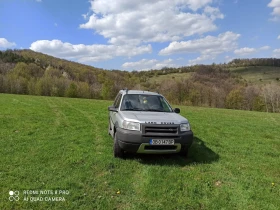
point(118, 151)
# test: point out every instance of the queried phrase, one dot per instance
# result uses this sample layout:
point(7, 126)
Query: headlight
point(131, 125)
point(185, 127)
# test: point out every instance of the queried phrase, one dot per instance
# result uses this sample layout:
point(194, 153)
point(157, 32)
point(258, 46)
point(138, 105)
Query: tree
point(44, 86)
point(72, 91)
point(32, 86)
point(52, 72)
point(95, 90)
point(83, 90)
point(259, 104)
point(271, 94)
point(234, 99)
point(21, 70)
point(107, 88)
point(195, 97)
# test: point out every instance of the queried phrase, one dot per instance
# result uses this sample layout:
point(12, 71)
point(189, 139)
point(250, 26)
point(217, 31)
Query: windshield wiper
point(132, 109)
point(153, 110)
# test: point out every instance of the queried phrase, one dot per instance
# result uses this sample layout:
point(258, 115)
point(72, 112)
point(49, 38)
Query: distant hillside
point(29, 72)
point(259, 74)
point(250, 84)
point(251, 74)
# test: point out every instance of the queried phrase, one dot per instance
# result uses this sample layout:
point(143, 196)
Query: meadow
point(51, 143)
point(258, 74)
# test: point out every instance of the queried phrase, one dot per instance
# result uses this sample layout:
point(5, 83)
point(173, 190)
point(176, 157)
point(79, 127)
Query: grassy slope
point(59, 143)
point(253, 74)
point(267, 74)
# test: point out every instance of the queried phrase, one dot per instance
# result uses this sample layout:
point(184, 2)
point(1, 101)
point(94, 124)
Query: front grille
point(161, 147)
point(160, 129)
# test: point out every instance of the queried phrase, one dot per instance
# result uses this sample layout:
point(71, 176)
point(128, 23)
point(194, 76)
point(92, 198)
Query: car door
point(113, 117)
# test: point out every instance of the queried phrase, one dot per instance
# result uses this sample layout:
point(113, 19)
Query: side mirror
point(112, 109)
point(177, 110)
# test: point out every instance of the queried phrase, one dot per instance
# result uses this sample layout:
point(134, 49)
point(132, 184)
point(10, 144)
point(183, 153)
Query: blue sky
point(139, 35)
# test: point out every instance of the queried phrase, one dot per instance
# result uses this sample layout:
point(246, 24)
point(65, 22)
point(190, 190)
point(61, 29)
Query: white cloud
point(278, 37)
point(208, 45)
point(247, 51)
point(275, 4)
point(264, 48)
point(146, 64)
point(55, 24)
point(87, 53)
point(276, 53)
point(135, 22)
point(213, 12)
point(4, 43)
point(201, 58)
point(194, 4)
point(276, 11)
point(86, 16)
point(228, 58)
point(112, 6)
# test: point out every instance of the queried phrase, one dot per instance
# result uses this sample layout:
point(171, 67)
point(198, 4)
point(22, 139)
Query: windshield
point(139, 102)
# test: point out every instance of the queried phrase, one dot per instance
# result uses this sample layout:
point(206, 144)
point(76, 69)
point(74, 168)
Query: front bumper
point(138, 142)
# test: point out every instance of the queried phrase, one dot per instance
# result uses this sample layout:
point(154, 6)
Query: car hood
point(153, 117)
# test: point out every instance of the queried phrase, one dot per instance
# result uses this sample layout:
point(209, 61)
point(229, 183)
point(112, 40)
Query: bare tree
point(271, 94)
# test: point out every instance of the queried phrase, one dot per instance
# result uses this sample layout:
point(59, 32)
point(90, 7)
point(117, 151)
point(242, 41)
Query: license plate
point(162, 141)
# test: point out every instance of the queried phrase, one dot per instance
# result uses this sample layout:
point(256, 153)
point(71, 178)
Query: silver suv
point(144, 122)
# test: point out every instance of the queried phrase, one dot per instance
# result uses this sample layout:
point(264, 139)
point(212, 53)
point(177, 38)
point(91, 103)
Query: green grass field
point(49, 143)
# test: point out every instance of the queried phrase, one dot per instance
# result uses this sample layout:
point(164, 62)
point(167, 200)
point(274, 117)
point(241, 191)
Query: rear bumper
point(136, 142)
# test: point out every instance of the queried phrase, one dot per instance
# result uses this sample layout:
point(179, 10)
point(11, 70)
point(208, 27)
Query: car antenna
point(126, 90)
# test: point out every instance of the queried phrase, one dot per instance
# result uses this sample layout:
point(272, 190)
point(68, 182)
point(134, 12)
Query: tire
point(184, 151)
point(118, 151)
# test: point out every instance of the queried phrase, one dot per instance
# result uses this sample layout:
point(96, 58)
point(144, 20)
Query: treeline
point(274, 62)
point(255, 62)
point(32, 73)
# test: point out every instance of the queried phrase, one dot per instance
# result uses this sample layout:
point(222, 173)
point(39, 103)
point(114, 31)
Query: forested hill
point(250, 84)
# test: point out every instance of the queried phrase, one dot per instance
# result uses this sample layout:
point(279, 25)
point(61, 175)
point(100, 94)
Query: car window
point(118, 101)
point(130, 101)
point(165, 105)
point(115, 102)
